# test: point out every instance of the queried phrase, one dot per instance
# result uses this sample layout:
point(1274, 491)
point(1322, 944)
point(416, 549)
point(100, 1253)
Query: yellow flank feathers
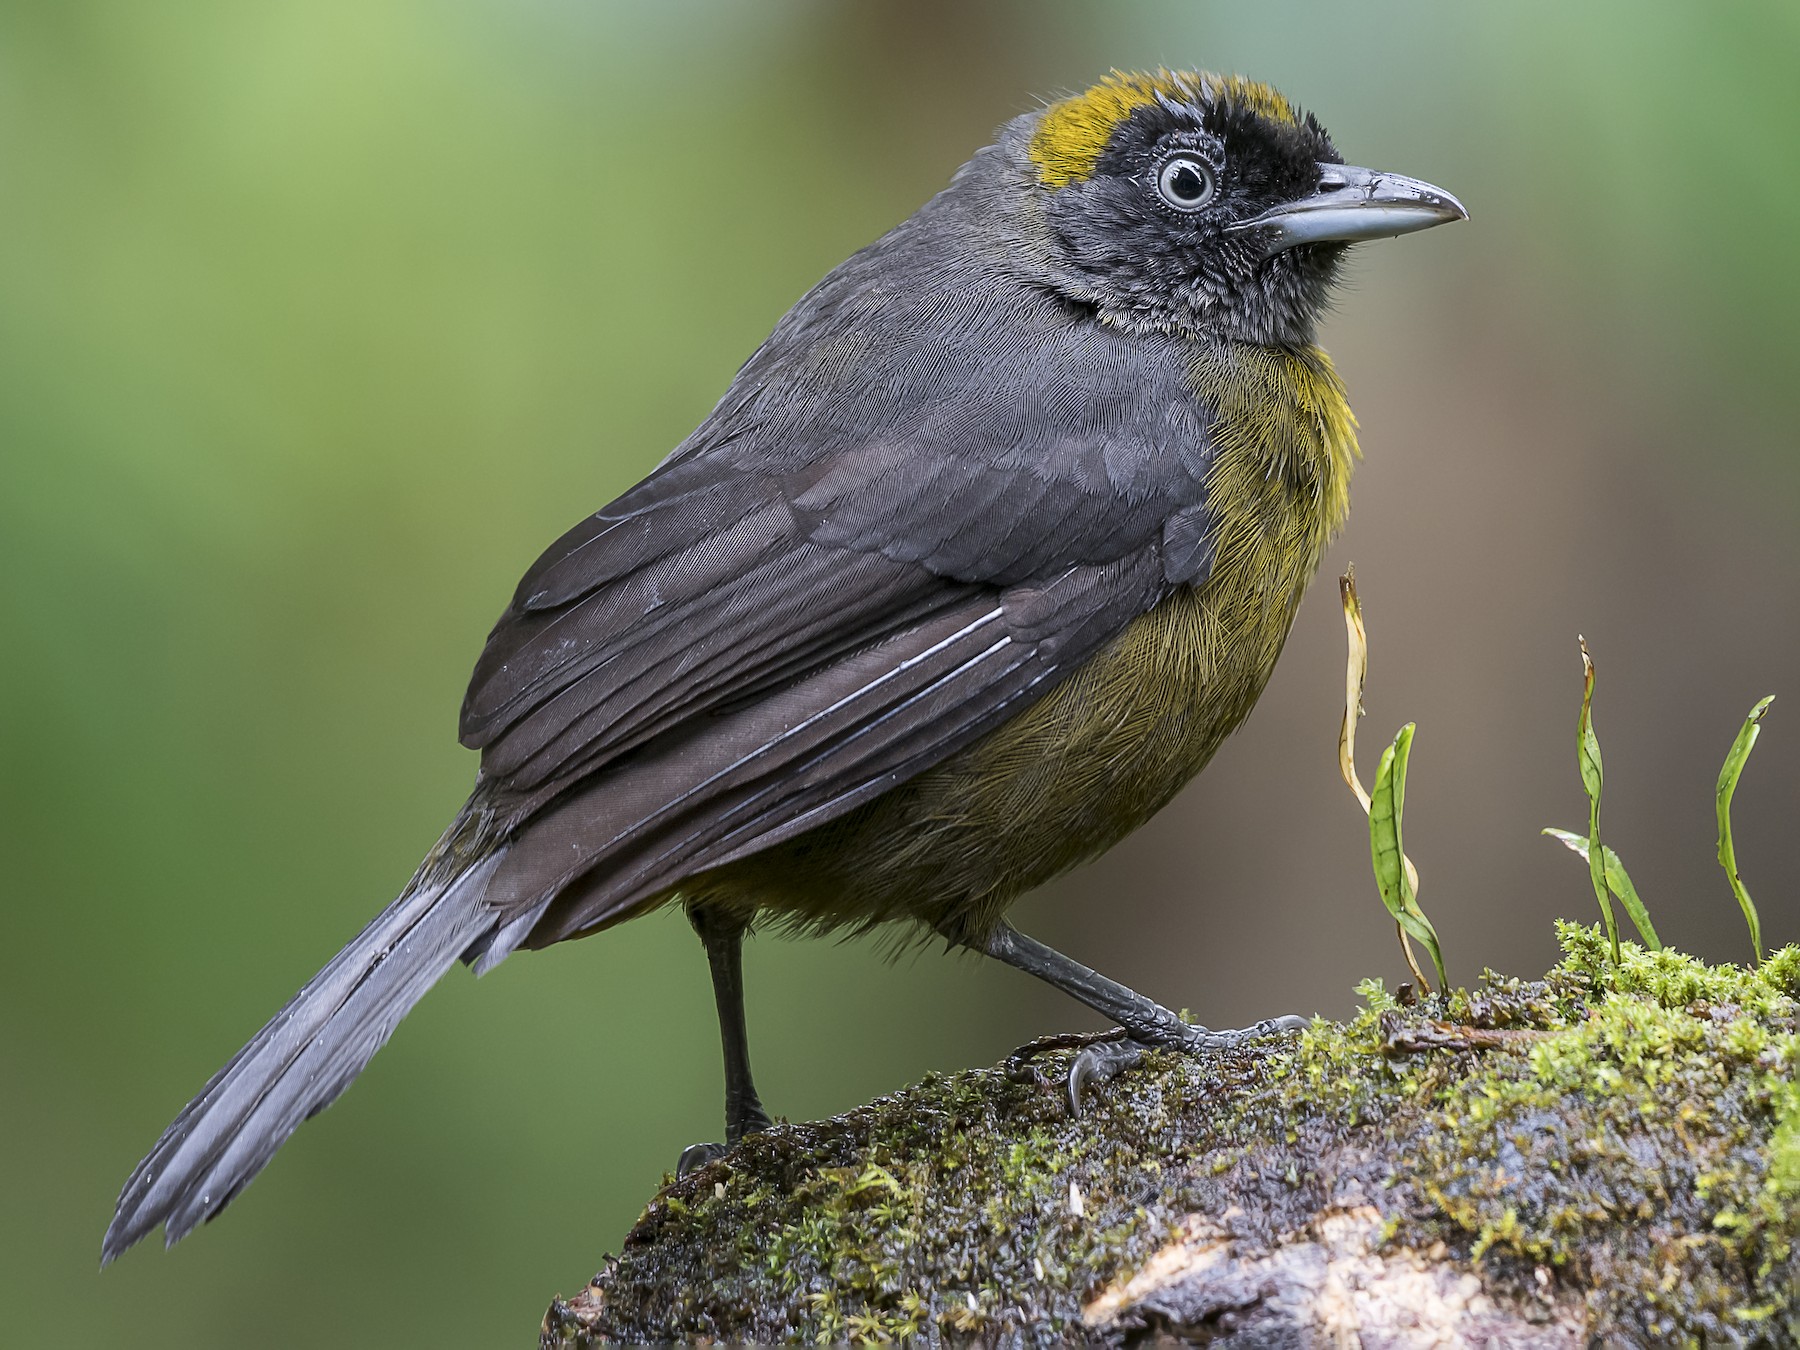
point(1073, 133)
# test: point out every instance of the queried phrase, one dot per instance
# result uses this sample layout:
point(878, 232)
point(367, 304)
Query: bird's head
point(1204, 204)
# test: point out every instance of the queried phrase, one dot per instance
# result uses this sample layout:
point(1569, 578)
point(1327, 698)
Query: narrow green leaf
point(1593, 777)
point(1384, 832)
point(1728, 780)
point(1587, 756)
point(1618, 882)
point(1387, 806)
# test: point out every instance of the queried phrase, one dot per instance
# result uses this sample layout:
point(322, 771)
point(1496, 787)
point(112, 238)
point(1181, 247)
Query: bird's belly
point(1060, 783)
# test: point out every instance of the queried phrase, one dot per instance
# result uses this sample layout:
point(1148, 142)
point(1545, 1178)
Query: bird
point(981, 555)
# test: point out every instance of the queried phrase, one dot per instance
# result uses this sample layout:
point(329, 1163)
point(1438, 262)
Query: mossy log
point(1600, 1157)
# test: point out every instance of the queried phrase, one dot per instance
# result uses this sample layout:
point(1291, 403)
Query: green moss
point(1640, 1142)
point(917, 1210)
point(1637, 1140)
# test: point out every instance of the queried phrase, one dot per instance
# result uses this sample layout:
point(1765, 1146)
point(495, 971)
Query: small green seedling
point(1587, 756)
point(1728, 779)
point(1604, 868)
point(1392, 874)
point(1403, 885)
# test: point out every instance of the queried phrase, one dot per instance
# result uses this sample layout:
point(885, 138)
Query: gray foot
point(744, 1118)
point(1100, 1064)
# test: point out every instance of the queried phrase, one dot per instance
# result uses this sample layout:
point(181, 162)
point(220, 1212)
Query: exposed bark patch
point(1336, 1284)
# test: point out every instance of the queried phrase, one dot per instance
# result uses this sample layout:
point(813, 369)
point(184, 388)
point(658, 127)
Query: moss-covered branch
point(1532, 1163)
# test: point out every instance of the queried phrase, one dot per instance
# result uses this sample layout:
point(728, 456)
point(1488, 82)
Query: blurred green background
point(318, 320)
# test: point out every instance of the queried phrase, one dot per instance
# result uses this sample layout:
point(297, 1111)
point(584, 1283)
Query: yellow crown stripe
point(1072, 134)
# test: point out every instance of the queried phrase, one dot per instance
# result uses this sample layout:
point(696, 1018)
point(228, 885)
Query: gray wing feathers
point(298, 1064)
point(801, 755)
point(827, 591)
point(783, 541)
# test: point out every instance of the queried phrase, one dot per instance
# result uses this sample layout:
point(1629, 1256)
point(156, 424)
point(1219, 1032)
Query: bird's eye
point(1185, 182)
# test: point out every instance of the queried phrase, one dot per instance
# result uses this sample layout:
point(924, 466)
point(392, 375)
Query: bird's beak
point(1351, 204)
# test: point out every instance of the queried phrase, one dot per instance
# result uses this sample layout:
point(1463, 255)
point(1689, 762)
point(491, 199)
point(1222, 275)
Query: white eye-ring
point(1186, 182)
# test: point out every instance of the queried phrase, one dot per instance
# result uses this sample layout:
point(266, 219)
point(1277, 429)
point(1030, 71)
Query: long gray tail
point(308, 1053)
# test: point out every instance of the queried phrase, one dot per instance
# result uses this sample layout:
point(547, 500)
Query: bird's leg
point(723, 938)
point(1145, 1023)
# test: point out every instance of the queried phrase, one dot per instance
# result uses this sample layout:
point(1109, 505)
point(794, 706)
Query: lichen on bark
point(1597, 1154)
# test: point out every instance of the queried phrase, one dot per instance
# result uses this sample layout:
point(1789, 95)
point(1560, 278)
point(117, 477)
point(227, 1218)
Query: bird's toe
point(1205, 1039)
point(1097, 1065)
point(696, 1156)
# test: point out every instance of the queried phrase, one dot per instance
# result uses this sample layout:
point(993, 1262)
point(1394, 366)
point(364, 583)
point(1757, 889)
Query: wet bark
point(1535, 1164)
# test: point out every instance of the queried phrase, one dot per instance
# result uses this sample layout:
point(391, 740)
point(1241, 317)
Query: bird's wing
point(696, 590)
point(734, 782)
point(756, 639)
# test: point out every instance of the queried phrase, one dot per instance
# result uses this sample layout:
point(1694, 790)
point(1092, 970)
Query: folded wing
point(794, 614)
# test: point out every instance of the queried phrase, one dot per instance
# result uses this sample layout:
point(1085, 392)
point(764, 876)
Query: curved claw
point(1100, 1064)
point(696, 1156)
point(1018, 1067)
